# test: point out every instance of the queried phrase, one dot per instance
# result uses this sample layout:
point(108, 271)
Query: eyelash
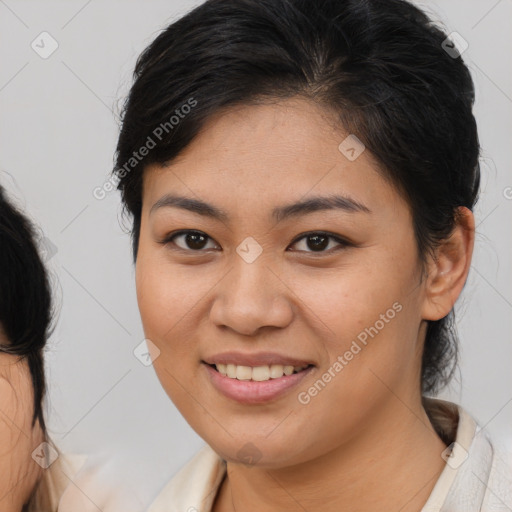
point(343, 243)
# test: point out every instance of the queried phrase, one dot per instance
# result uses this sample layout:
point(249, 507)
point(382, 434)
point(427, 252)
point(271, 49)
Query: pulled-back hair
point(379, 65)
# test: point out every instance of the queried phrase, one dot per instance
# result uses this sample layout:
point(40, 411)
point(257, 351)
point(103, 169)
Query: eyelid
point(339, 239)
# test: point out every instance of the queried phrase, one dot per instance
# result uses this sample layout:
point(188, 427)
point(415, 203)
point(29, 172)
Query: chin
point(257, 451)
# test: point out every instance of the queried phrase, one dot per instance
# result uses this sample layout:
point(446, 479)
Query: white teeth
point(257, 373)
point(261, 373)
point(230, 371)
point(276, 371)
point(243, 372)
point(288, 370)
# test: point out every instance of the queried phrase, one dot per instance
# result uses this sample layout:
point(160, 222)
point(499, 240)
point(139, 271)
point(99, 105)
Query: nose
point(251, 297)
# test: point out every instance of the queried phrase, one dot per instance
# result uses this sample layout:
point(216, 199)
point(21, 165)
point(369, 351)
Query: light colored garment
point(476, 477)
point(80, 483)
point(55, 480)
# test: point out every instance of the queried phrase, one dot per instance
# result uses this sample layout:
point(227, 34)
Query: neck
point(392, 465)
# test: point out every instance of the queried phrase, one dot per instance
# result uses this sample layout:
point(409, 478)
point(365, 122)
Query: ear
point(448, 269)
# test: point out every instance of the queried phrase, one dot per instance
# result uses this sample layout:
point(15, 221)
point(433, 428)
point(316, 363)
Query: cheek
point(367, 314)
point(166, 299)
point(345, 301)
point(163, 295)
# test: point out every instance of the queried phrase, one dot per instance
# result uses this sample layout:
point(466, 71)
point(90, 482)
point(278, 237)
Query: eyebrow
point(313, 204)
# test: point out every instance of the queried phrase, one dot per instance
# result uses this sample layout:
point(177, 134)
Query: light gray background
point(57, 139)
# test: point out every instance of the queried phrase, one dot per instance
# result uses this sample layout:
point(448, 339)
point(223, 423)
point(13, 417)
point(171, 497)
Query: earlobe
point(449, 269)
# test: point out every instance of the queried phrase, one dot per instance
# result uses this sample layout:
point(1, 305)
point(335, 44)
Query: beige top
point(475, 478)
point(55, 480)
point(78, 483)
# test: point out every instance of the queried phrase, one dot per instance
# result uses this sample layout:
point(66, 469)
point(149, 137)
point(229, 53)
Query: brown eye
point(319, 241)
point(189, 240)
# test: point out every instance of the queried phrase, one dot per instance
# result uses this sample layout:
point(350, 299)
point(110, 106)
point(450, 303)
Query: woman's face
point(253, 290)
point(18, 439)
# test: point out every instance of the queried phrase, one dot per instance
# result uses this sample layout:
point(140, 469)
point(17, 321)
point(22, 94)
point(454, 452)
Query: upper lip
point(255, 359)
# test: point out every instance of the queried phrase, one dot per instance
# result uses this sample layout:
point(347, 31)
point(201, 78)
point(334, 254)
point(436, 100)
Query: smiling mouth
point(257, 373)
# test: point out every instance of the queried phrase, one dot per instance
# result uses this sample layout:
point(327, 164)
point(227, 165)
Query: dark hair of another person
point(378, 65)
point(25, 297)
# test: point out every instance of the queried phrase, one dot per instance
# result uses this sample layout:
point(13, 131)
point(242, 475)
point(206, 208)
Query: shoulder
point(485, 477)
point(498, 495)
point(478, 471)
point(76, 482)
point(60, 471)
point(99, 485)
point(194, 487)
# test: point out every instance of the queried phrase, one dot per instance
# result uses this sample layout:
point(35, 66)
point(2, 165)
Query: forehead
point(260, 155)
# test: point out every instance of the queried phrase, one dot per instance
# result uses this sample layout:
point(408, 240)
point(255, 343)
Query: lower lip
point(253, 392)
